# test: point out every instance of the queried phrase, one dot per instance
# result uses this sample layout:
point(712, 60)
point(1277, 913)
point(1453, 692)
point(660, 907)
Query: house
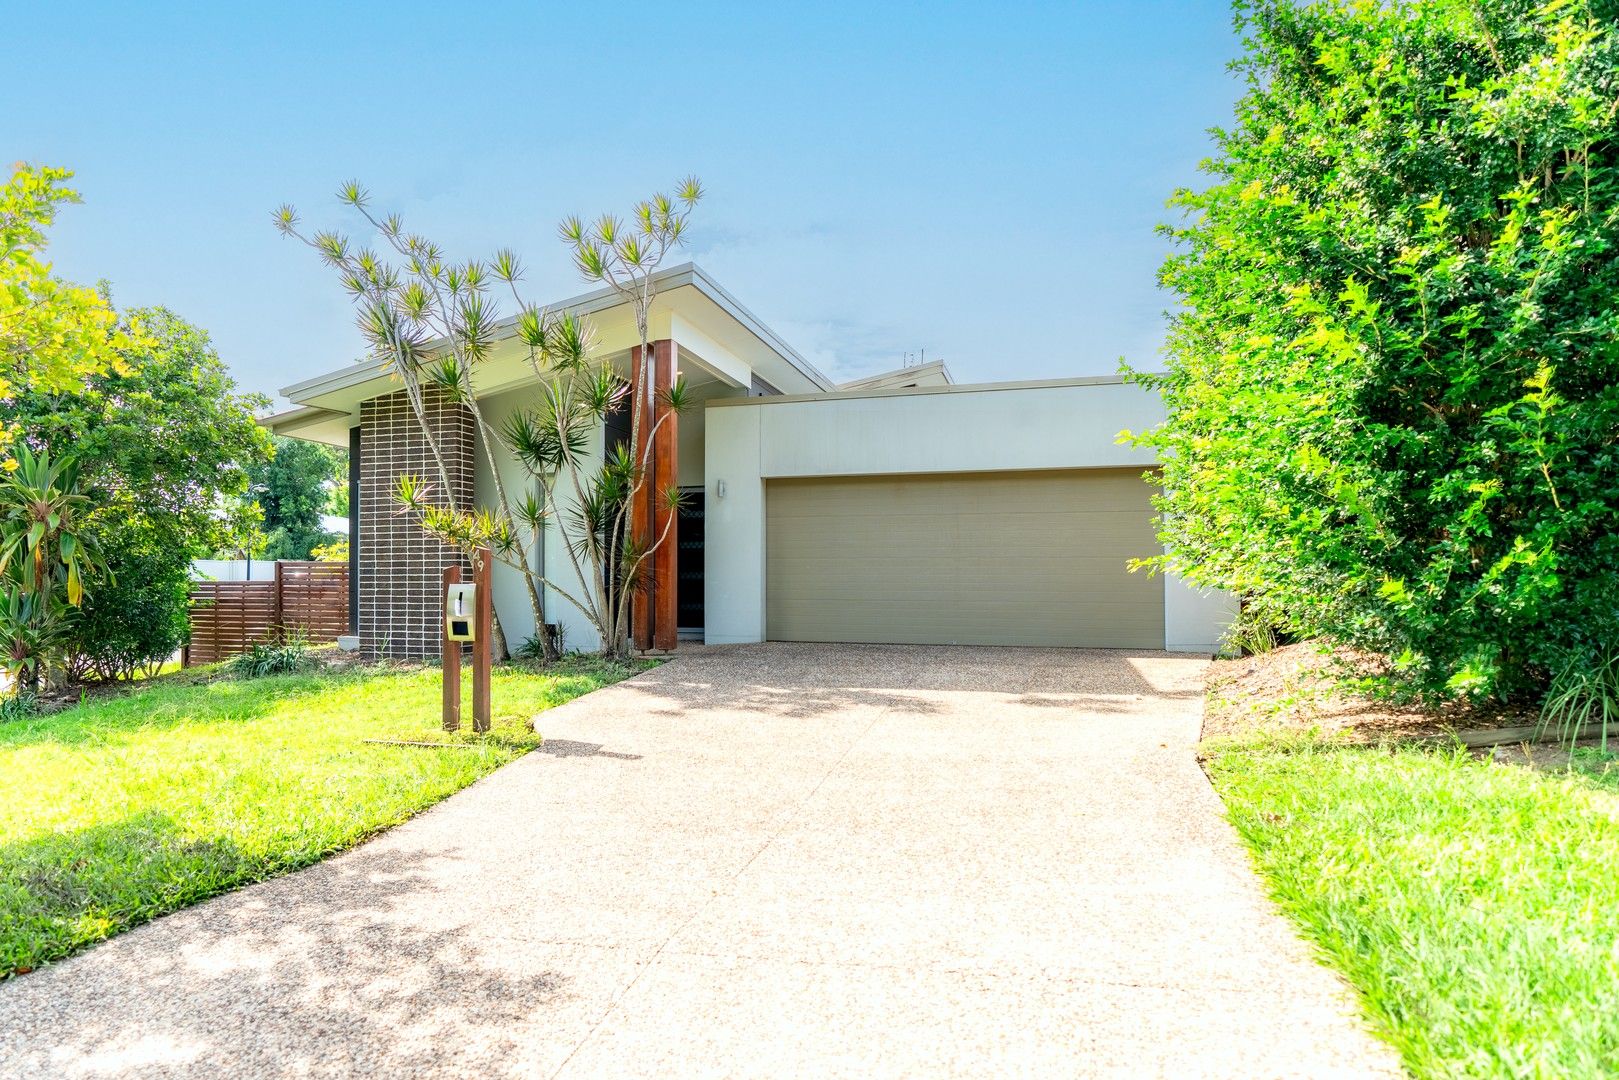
point(900, 508)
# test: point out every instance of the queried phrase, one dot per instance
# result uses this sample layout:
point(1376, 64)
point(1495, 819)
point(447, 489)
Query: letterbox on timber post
point(460, 623)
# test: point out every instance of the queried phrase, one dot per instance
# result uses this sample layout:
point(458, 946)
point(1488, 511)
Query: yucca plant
point(434, 322)
point(31, 632)
point(45, 559)
point(1583, 692)
point(40, 509)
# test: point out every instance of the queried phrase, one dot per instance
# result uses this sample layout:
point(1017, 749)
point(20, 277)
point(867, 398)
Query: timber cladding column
point(654, 613)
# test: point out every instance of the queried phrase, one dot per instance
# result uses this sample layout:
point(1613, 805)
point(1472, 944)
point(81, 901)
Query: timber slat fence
point(307, 598)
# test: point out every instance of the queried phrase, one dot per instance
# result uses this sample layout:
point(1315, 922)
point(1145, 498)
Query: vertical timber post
point(277, 631)
point(452, 654)
point(654, 611)
point(482, 614)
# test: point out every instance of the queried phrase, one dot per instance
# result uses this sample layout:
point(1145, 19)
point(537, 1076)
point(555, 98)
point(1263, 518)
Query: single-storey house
point(901, 508)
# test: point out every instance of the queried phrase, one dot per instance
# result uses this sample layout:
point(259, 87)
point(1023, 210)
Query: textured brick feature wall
point(400, 566)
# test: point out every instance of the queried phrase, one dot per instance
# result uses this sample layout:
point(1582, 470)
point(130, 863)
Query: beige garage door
point(1026, 558)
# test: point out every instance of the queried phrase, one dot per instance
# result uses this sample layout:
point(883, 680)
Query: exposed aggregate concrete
point(773, 860)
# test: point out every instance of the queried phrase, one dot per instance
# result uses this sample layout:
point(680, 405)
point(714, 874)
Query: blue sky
point(980, 181)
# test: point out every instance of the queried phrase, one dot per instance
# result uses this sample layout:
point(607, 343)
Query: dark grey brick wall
point(400, 566)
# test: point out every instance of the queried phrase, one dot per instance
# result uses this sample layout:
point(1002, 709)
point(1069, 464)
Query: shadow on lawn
point(70, 889)
point(354, 967)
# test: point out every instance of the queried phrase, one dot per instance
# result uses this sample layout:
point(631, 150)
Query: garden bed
point(1298, 688)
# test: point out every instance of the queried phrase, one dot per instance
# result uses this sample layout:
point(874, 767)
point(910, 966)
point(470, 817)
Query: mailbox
point(460, 601)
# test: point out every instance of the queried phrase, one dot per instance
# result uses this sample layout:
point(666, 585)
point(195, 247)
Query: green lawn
point(125, 808)
point(1475, 906)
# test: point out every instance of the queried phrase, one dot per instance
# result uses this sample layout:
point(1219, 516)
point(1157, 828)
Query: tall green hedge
point(1393, 380)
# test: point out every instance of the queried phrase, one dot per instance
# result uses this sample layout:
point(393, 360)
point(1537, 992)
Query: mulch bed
point(1299, 688)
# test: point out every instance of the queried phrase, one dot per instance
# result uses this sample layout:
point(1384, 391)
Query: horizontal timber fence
point(305, 599)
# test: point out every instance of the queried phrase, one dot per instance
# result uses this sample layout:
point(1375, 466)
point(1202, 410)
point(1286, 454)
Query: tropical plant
point(46, 557)
point(434, 322)
point(1391, 377)
point(32, 631)
point(287, 656)
point(41, 507)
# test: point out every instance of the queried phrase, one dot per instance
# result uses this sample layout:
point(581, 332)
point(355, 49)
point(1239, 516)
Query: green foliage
point(1393, 381)
point(53, 335)
point(1469, 903)
point(293, 491)
point(32, 632)
point(42, 542)
point(130, 806)
point(287, 657)
point(164, 442)
point(19, 706)
point(336, 551)
point(136, 616)
point(1251, 633)
point(1583, 692)
point(46, 555)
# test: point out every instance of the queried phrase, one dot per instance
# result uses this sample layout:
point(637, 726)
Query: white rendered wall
point(1195, 619)
point(1067, 425)
point(510, 592)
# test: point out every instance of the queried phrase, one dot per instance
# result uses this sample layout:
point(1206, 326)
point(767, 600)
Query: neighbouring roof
point(932, 374)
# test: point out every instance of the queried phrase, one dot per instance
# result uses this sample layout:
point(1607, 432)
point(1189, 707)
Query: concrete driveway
point(756, 861)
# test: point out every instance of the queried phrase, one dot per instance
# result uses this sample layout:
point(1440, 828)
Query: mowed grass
point(1474, 906)
point(125, 808)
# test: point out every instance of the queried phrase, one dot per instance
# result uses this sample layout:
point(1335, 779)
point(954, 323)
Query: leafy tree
point(433, 322)
point(292, 489)
point(1393, 381)
point(164, 442)
point(53, 334)
point(167, 438)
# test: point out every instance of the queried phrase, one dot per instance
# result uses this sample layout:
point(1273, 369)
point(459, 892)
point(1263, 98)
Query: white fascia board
point(708, 353)
point(356, 375)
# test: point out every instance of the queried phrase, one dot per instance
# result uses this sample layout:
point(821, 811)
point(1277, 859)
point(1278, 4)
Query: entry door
point(1018, 558)
point(689, 539)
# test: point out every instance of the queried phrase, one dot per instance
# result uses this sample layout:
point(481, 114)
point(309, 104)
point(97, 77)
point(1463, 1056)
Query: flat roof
point(915, 391)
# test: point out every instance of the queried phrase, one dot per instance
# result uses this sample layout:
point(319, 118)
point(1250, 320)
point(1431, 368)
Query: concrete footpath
point(773, 860)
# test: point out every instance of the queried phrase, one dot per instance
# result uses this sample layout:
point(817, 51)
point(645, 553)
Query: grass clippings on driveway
point(125, 808)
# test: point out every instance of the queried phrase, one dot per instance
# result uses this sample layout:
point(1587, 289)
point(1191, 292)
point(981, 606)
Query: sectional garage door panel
point(1026, 558)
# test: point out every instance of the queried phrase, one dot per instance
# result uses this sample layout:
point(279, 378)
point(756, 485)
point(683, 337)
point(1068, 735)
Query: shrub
point(136, 617)
point(1393, 381)
point(19, 706)
point(271, 658)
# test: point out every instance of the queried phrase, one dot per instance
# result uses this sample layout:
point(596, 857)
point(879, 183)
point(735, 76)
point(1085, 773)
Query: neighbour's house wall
point(400, 565)
point(1059, 425)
